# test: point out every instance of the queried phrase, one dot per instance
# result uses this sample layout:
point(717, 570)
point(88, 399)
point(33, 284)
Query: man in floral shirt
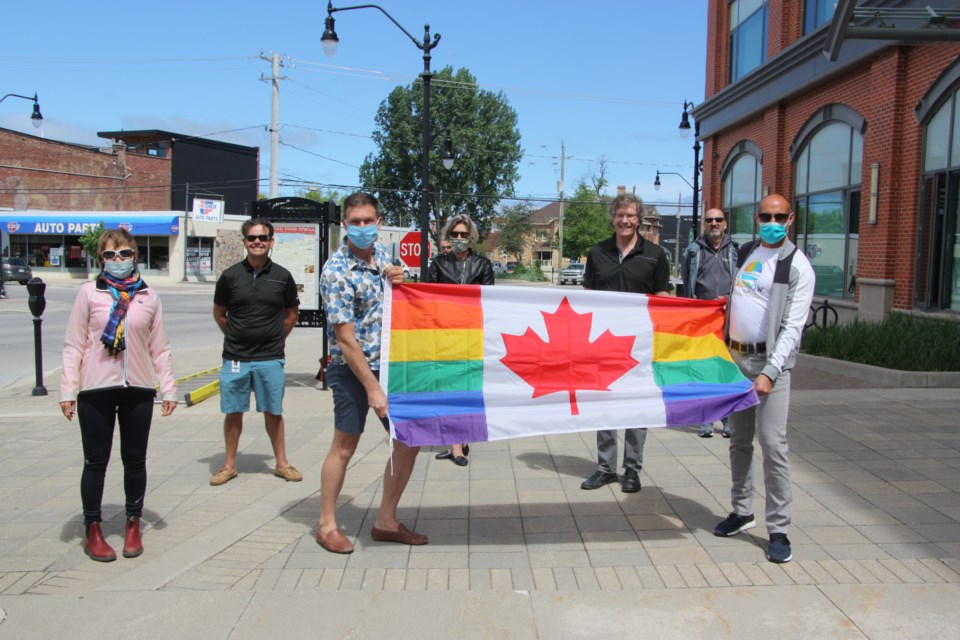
point(351, 285)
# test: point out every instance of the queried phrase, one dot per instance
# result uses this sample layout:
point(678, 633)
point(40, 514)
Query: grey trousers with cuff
point(633, 441)
point(768, 421)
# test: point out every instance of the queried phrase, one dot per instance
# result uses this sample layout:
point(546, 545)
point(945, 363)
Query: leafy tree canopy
point(516, 229)
point(486, 142)
point(585, 221)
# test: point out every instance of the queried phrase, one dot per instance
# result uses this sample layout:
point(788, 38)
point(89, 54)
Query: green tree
point(486, 142)
point(91, 240)
point(516, 229)
point(585, 221)
point(321, 195)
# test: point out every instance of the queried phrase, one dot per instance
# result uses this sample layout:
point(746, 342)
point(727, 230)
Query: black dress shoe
point(444, 455)
point(461, 461)
point(598, 479)
point(630, 482)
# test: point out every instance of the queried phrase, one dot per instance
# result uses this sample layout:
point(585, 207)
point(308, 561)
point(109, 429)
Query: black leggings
point(97, 411)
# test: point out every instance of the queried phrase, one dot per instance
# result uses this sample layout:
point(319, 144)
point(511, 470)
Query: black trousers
point(98, 411)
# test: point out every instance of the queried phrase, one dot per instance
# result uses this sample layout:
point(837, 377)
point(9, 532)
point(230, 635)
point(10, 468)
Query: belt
point(745, 347)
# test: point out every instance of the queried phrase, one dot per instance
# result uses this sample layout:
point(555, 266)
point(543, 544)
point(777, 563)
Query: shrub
point(902, 342)
point(525, 273)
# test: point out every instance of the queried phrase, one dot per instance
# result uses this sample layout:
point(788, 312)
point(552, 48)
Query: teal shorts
point(265, 377)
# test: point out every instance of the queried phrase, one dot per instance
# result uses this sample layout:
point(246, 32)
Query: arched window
point(742, 173)
point(828, 162)
point(938, 240)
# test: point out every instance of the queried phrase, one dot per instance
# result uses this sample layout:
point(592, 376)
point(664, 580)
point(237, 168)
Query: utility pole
point(560, 187)
point(275, 79)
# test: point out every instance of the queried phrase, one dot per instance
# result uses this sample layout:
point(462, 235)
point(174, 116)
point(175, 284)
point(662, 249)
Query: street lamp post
point(684, 132)
point(36, 118)
point(329, 41)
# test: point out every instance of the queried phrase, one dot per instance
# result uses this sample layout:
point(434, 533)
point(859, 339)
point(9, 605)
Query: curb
point(883, 377)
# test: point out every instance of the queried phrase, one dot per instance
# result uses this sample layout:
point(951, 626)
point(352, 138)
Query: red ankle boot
point(96, 547)
point(132, 546)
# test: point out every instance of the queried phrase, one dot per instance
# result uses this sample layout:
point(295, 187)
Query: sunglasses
point(110, 254)
point(459, 234)
point(261, 238)
point(779, 217)
point(713, 219)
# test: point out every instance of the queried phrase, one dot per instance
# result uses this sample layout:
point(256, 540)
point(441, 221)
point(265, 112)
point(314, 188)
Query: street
point(186, 308)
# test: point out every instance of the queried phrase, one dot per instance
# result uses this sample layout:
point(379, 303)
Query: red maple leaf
point(569, 361)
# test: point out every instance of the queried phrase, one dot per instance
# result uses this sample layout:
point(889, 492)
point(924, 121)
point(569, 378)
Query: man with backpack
point(707, 269)
point(768, 307)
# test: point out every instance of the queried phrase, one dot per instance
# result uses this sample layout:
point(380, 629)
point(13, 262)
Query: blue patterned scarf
point(122, 292)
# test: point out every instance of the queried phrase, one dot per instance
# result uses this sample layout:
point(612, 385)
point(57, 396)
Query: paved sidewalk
point(516, 549)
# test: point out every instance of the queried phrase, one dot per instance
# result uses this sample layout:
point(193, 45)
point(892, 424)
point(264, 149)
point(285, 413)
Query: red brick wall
point(46, 174)
point(884, 91)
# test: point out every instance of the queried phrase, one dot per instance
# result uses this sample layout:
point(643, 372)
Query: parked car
point(16, 269)
point(509, 267)
point(407, 274)
point(573, 273)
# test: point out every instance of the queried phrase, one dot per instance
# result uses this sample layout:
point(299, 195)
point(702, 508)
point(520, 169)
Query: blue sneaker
point(779, 549)
point(734, 524)
point(706, 430)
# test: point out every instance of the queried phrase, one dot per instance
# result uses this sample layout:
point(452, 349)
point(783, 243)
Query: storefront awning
point(77, 223)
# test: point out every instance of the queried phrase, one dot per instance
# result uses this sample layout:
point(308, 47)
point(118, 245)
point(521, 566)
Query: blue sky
point(607, 78)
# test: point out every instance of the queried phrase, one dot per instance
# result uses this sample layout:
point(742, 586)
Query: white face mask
point(119, 268)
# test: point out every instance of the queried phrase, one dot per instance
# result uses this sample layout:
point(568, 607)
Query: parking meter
point(37, 303)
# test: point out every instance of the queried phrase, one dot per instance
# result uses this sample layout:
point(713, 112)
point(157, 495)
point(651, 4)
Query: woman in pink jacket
point(115, 349)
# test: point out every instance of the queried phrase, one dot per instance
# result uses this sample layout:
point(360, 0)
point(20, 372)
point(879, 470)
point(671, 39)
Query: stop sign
point(410, 249)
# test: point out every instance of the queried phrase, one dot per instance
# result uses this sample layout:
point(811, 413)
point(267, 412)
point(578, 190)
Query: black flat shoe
point(466, 449)
point(630, 483)
point(461, 461)
point(597, 480)
point(444, 455)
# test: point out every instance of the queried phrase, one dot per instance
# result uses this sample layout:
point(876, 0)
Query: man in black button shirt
point(626, 262)
point(256, 306)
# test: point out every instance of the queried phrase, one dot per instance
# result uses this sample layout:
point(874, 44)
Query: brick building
point(866, 146)
point(52, 192)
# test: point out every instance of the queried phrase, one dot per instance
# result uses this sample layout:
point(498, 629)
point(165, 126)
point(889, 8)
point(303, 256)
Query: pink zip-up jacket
point(86, 363)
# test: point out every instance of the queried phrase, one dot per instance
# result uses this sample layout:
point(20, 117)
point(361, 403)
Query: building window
point(742, 175)
point(938, 240)
point(748, 36)
point(818, 13)
point(828, 174)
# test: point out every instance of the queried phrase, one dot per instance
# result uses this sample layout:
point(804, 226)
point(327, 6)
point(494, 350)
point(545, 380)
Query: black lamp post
point(329, 41)
point(684, 133)
point(36, 118)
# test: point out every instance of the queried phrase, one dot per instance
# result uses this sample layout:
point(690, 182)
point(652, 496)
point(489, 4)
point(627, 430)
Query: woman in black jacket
point(459, 266)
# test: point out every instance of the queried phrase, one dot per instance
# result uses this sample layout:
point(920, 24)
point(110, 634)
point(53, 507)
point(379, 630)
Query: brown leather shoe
point(334, 541)
point(401, 535)
point(288, 473)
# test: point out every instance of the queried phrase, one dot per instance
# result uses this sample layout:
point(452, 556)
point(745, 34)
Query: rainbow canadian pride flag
point(465, 363)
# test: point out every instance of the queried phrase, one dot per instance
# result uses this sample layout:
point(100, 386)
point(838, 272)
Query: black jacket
point(446, 269)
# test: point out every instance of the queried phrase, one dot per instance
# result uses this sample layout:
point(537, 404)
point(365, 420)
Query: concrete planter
point(882, 377)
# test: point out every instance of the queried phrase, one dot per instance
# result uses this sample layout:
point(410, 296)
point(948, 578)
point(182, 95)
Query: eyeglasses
point(713, 219)
point(110, 254)
point(459, 234)
point(261, 238)
point(779, 217)
point(446, 248)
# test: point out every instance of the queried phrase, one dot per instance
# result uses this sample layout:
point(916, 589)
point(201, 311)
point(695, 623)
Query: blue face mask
point(119, 269)
point(773, 233)
point(362, 237)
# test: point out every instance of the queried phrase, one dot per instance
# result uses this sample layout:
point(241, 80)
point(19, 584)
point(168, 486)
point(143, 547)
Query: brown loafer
point(334, 541)
point(401, 535)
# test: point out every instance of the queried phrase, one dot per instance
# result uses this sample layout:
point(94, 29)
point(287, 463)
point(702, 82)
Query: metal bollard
point(37, 303)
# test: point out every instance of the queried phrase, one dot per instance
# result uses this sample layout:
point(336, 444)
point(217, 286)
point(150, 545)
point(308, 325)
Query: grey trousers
point(767, 420)
point(633, 441)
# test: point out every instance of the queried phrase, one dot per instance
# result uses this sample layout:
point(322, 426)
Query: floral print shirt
point(352, 291)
